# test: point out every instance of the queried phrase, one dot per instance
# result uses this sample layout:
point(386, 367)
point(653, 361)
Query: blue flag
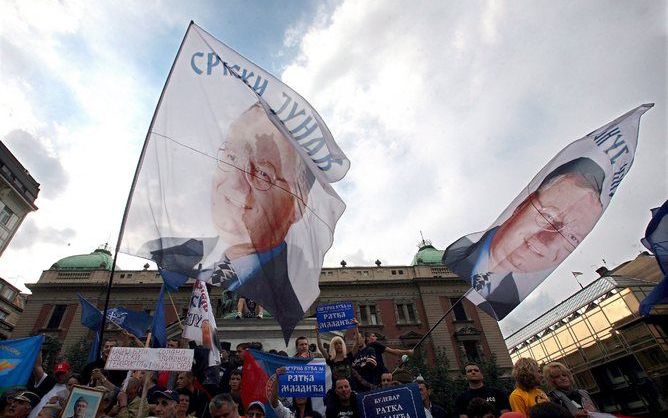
point(17, 358)
point(135, 322)
point(173, 280)
point(159, 327)
point(656, 240)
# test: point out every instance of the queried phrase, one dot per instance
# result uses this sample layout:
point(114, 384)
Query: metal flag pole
point(132, 189)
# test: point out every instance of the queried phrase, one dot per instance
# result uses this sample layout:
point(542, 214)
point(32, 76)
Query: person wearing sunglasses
point(510, 259)
point(259, 189)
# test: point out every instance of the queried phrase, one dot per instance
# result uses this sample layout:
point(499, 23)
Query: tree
point(77, 355)
point(51, 352)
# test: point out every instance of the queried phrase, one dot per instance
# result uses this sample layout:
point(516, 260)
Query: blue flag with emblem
point(17, 358)
point(656, 240)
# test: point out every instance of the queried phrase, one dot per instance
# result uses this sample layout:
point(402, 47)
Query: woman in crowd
point(527, 391)
point(184, 404)
point(560, 383)
point(340, 361)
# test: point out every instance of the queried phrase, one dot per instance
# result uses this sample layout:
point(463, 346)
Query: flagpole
point(147, 376)
point(132, 189)
point(178, 318)
point(424, 337)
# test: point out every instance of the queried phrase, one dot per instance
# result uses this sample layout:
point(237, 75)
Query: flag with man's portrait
point(548, 220)
point(233, 184)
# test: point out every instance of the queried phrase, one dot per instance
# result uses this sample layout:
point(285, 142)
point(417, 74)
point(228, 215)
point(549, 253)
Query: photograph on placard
point(83, 402)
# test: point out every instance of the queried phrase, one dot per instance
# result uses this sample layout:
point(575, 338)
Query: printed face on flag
point(256, 192)
point(547, 226)
point(548, 220)
point(233, 187)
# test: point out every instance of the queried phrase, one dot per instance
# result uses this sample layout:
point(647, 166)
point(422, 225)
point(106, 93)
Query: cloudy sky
point(446, 110)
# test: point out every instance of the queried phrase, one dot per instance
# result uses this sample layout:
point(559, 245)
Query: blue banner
point(656, 240)
point(303, 380)
point(17, 358)
point(402, 401)
point(335, 316)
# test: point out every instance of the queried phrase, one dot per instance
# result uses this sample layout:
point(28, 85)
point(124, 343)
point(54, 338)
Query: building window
point(7, 217)
point(9, 293)
point(368, 315)
point(471, 349)
point(56, 317)
point(406, 313)
point(458, 309)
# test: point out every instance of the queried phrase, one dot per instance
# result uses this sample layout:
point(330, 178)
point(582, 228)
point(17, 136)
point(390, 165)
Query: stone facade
point(11, 308)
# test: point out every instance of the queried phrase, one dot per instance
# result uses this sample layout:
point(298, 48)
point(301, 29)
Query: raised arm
point(358, 338)
point(318, 341)
point(398, 351)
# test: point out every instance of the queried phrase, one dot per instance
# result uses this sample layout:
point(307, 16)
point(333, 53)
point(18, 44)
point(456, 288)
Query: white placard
point(164, 359)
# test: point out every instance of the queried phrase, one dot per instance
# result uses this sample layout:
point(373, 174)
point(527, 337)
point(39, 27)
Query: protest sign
point(303, 380)
point(397, 402)
point(335, 316)
point(167, 359)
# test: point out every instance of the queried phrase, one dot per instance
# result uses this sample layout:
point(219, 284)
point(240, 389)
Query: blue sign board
point(402, 401)
point(303, 380)
point(335, 316)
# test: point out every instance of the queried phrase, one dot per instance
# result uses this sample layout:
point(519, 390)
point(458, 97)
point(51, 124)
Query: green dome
point(99, 259)
point(428, 255)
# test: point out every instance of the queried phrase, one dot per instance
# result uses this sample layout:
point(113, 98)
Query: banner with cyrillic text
point(134, 358)
point(335, 316)
point(233, 187)
point(403, 401)
point(303, 380)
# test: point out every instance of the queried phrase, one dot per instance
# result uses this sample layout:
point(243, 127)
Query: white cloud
point(446, 111)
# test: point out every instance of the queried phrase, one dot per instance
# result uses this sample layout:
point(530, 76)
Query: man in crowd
point(130, 399)
point(95, 370)
point(344, 403)
point(198, 400)
point(62, 374)
point(165, 401)
point(431, 410)
point(21, 404)
point(301, 347)
point(40, 382)
point(223, 406)
point(477, 389)
point(227, 364)
point(371, 339)
point(386, 380)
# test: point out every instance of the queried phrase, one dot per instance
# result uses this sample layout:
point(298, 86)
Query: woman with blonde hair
point(340, 361)
point(527, 393)
point(560, 383)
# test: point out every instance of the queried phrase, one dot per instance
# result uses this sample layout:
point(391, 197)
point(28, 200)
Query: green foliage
point(51, 350)
point(77, 355)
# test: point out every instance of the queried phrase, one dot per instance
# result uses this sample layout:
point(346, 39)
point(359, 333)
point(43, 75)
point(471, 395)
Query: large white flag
point(233, 184)
point(548, 220)
point(201, 322)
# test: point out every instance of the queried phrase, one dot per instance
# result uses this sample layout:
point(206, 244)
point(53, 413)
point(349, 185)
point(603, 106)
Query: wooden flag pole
point(178, 318)
point(147, 378)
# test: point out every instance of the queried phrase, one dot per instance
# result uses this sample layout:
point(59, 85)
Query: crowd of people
point(215, 392)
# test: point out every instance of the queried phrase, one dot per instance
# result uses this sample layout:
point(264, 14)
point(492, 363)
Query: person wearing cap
point(61, 374)
point(255, 410)
point(166, 401)
point(21, 404)
point(130, 399)
point(223, 406)
point(537, 236)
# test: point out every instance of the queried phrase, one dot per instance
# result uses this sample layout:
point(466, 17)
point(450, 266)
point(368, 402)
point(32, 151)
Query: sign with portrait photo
point(548, 220)
point(233, 186)
point(82, 403)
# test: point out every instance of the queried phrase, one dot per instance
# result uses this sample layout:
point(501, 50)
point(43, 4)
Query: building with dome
point(400, 303)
